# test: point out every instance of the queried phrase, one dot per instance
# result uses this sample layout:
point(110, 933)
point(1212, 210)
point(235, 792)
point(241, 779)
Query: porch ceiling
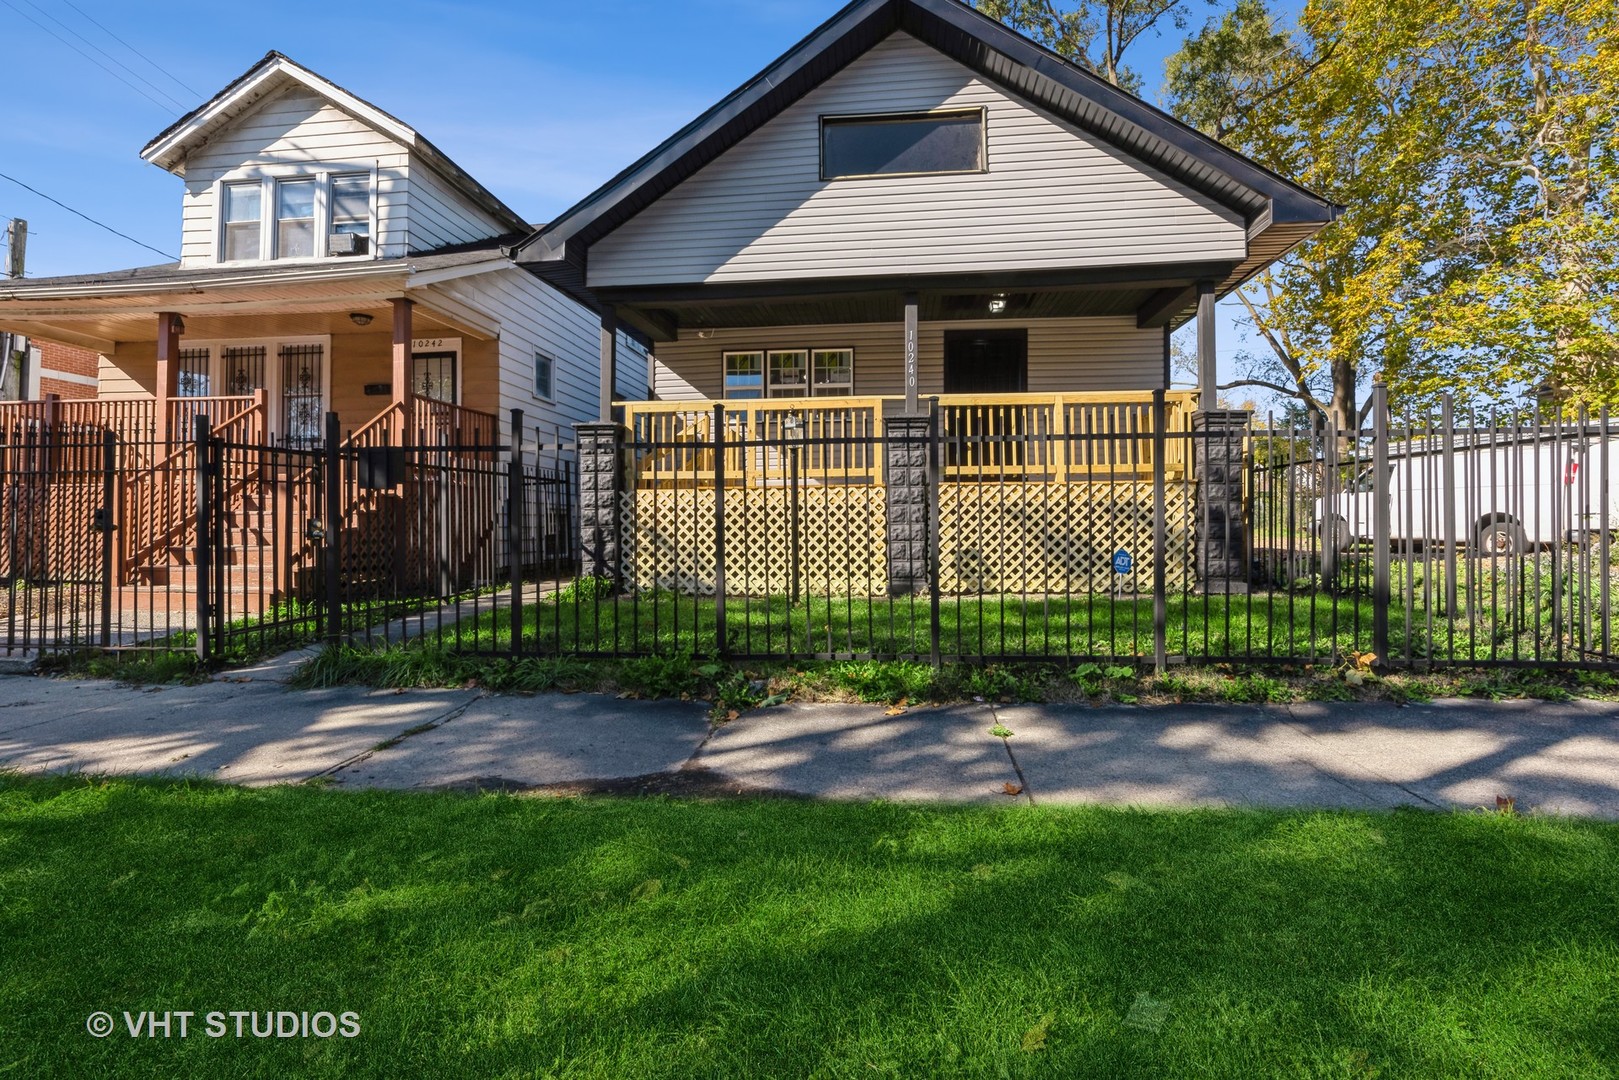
point(102, 323)
point(1156, 295)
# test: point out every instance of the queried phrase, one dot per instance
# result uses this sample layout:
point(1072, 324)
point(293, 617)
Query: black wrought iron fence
point(732, 532)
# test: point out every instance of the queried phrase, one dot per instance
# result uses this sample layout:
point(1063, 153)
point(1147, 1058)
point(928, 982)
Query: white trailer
point(1499, 495)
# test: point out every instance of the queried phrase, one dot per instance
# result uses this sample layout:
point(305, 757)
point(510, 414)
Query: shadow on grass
point(518, 936)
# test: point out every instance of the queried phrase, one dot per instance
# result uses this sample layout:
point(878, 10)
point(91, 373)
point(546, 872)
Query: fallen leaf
point(1034, 1040)
point(894, 710)
point(1013, 789)
point(731, 714)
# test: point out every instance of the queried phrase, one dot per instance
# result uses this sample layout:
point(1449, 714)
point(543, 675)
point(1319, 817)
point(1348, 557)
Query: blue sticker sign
point(1122, 563)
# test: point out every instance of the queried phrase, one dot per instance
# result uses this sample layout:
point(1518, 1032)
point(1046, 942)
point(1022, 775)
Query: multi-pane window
point(832, 372)
point(298, 217)
point(244, 214)
point(789, 373)
point(745, 375)
point(903, 144)
point(433, 376)
point(543, 370)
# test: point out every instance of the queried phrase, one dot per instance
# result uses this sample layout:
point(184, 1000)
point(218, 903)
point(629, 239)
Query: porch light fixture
point(997, 304)
point(359, 318)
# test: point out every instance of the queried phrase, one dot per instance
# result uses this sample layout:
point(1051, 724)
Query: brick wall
point(56, 361)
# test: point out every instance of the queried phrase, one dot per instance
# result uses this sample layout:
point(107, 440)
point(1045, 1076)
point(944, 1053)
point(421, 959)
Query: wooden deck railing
point(158, 502)
point(1058, 438)
point(239, 412)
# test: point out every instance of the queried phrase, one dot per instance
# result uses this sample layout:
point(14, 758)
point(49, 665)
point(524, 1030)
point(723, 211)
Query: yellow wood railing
point(1055, 438)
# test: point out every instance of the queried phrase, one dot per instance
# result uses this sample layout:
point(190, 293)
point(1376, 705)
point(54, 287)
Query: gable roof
point(1279, 212)
point(275, 72)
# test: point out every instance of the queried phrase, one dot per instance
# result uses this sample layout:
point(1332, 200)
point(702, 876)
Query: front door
point(986, 361)
point(981, 435)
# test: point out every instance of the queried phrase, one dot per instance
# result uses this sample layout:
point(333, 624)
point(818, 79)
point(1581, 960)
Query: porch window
point(243, 217)
point(295, 219)
point(193, 379)
point(789, 373)
point(832, 372)
point(903, 144)
point(433, 376)
point(745, 375)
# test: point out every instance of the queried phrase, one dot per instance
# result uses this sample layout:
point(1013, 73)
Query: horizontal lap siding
point(440, 217)
point(295, 127)
point(533, 316)
point(1065, 355)
point(1053, 197)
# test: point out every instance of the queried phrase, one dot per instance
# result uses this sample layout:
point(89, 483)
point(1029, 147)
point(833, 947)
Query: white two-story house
point(331, 259)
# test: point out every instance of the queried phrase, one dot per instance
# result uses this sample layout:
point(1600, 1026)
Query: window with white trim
point(788, 373)
point(244, 220)
point(303, 216)
point(544, 369)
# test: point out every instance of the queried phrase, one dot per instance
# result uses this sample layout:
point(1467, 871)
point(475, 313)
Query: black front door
point(986, 361)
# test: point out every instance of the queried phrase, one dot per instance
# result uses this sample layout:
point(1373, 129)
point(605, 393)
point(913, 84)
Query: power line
point(87, 217)
point(155, 65)
point(165, 106)
point(127, 69)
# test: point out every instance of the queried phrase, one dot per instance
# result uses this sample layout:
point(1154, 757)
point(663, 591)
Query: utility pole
point(13, 379)
point(16, 247)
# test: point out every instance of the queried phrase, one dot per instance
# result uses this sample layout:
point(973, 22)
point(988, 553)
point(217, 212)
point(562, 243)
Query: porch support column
point(609, 362)
point(912, 352)
point(600, 485)
point(1219, 439)
point(169, 328)
point(1208, 395)
point(401, 348)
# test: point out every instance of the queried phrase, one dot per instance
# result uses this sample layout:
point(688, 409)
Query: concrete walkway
point(249, 728)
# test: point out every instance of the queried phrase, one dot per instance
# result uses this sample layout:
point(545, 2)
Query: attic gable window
point(307, 216)
point(903, 144)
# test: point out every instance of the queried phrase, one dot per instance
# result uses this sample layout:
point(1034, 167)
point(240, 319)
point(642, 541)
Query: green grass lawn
point(504, 936)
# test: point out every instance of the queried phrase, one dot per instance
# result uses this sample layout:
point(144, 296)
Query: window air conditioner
point(345, 244)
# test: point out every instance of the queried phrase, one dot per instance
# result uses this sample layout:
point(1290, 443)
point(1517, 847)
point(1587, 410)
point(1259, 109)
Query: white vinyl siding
point(535, 318)
point(297, 132)
point(1052, 197)
point(1065, 355)
point(291, 130)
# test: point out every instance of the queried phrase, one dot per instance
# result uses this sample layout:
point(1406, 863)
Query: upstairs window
point(295, 219)
point(243, 220)
point(903, 144)
point(351, 207)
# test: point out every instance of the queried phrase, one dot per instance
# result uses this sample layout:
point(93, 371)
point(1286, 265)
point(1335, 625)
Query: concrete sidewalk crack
point(1007, 743)
point(1298, 725)
point(408, 733)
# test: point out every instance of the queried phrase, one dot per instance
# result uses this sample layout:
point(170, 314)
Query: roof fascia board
point(421, 278)
point(198, 284)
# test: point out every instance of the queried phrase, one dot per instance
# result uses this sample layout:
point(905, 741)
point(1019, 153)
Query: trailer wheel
point(1501, 538)
point(1336, 534)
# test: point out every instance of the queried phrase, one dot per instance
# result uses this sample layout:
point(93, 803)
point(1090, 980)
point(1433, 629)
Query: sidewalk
point(248, 728)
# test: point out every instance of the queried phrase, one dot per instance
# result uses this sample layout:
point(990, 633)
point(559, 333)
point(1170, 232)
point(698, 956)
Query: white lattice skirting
point(994, 538)
point(669, 541)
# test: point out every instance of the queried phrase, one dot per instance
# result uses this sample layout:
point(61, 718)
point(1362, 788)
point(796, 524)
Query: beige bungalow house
point(916, 202)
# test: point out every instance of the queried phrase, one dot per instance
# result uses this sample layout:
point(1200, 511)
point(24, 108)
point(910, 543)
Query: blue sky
point(541, 101)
